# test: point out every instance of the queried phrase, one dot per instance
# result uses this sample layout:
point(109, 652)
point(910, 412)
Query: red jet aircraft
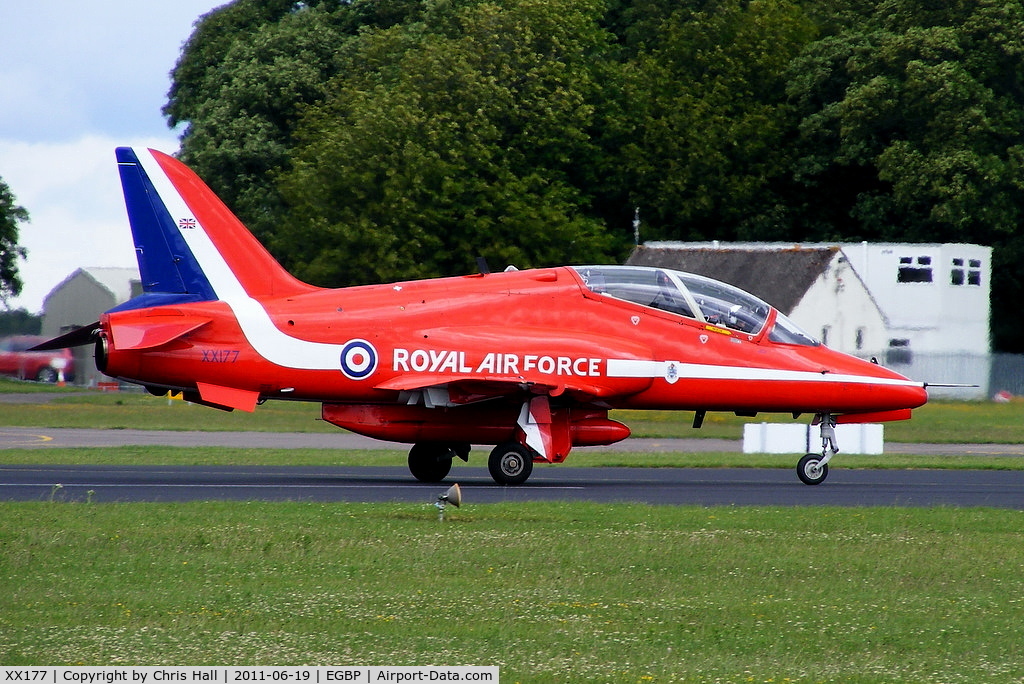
point(531, 361)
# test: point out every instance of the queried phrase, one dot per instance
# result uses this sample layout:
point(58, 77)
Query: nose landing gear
point(813, 468)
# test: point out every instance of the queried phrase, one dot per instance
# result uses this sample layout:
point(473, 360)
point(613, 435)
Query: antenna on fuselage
point(481, 265)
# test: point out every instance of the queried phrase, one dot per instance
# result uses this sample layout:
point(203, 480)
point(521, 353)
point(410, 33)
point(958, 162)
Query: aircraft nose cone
point(918, 396)
point(904, 391)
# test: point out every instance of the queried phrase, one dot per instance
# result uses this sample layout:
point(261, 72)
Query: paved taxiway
point(669, 486)
point(674, 486)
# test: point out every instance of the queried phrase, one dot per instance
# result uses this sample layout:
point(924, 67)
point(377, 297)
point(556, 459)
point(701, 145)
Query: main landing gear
point(813, 468)
point(510, 463)
point(431, 461)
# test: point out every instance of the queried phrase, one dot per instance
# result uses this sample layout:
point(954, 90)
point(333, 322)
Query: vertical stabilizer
point(189, 245)
point(166, 264)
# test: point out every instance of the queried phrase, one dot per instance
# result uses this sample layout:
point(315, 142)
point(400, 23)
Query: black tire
point(809, 471)
point(430, 461)
point(510, 463)
point(47, 374)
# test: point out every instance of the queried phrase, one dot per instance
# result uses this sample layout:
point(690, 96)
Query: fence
point(986, 375)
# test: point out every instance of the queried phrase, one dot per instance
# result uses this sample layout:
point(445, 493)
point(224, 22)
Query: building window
point(825, 329)
point(898, 352)
point(974, 272)
point(915, 270)
point(859, 339)
point(971, 275)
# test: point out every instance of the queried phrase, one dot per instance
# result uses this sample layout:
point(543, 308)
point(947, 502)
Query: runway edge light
point(452, 496)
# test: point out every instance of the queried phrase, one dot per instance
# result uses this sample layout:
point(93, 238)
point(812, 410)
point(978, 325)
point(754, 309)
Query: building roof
point(115, 280)
point(778, 273)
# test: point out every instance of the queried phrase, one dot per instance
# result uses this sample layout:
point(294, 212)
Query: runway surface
point(669, 486)
point(702, 486)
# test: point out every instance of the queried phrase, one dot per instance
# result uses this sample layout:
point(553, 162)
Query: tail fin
point(189, 245)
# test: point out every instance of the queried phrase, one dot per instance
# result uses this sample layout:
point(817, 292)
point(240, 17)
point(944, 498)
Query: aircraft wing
point(449, 390)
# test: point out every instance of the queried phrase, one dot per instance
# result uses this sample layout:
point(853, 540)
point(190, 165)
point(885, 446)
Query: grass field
point(214, 456)
point(567, 592)
point(552, 593)
point(940, 421)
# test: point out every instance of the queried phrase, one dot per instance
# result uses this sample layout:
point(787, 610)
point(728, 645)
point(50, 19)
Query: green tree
point(461, 135)
point(19, 322)
point(911, 131)
point(243, 78)
point(705, 122)
point(380, 139)
point(241, 81)
point(11, 215)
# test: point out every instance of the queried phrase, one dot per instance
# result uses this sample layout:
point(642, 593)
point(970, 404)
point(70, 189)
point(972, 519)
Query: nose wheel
point(812, 469)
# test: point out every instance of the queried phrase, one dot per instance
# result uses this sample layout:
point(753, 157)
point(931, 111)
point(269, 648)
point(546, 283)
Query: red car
point(44, 366)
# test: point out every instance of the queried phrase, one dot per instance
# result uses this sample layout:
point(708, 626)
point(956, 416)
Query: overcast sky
point(78, 79)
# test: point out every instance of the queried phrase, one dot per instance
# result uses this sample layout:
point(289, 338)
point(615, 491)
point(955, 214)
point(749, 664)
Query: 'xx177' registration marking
point(220, 355)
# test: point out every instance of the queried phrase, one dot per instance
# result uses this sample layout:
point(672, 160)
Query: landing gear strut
point(813, 468)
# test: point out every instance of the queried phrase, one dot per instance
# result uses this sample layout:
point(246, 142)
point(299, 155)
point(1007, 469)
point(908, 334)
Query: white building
point(935, 296)
point(922, 309)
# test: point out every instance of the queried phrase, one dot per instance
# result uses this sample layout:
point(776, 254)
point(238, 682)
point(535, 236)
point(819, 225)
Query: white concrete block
point(802, 438)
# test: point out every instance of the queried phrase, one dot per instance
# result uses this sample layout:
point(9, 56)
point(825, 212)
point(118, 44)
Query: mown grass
point(939, 421)
point(942, 422)
point(124, 410)
point(936, 422)
point(12, 386)
point(563, 592)
point(582, 457)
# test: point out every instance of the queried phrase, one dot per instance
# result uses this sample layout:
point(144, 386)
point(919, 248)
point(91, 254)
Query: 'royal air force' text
point(497, 363)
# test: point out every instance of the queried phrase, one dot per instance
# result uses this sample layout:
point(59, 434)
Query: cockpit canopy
point(686, 294)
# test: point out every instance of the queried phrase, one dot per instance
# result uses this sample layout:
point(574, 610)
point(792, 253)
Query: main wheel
point(430, 461)
point(510, 463)
point(810, 469)
point(46, 374)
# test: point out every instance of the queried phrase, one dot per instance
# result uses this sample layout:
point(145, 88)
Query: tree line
point(371, 140)
point(11, 216)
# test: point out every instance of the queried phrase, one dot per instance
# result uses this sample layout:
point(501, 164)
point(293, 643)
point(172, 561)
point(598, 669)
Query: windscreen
point(786, 331)
point(725, 305)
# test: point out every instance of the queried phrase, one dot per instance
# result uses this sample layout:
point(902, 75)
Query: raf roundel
point(358, 359)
